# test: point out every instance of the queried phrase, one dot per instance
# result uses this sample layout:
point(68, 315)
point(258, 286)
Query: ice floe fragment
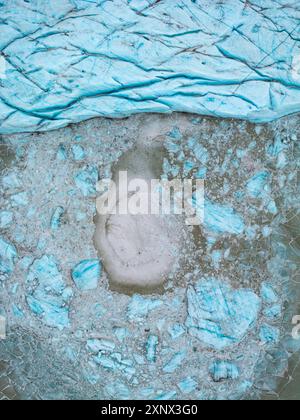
point(151, 347)
point(56, 218)
point(140, 306)
point(96, 345)
point(273, 312)
point(187, 385)
point(269, 334)
point(218, 315)
point(222, 370)
point(257, 184)
point(86, 181)
point(268, 293)
point(78, 152)
point(176, 331)
point(46, 297)
point(8, 256)
point(61, 153)
point(175, 362)
point(222, 219)
point(6, 218)
point(86, 274)
point(20, 199)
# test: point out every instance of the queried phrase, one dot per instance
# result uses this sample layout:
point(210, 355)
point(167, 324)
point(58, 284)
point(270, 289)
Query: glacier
point(70, 60)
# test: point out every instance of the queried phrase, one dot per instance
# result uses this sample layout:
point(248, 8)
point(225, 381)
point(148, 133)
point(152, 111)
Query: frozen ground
point(70, 60)
point(220, 328)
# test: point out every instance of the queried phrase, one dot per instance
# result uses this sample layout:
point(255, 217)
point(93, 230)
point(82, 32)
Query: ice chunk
point(151, 347)
point(20, 199)
point(10, 181)
point(95, 345)
point(273, 312)
point(176, 331)
point(78, 152)
point(61, 153)
point(268, 293)
point(165, 396)
point(175, 362)
point(269, 334)
point(187, 385)
point(139, 307)
point(222, 219)
point(6, 218)
point(218, 315)
point(86, 274)
point(257, 184)
point(222, 370)
point(86, 180)
point(8, 256)
point(48, 298)
point(45, 271)
point(56, 218)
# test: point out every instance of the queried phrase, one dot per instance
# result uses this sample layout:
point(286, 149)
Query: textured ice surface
point(48, 296)
point(70, 60)
point(221, 370)
point(8, 255)
point(219, 316)
point(65, 342)
point(86, 274)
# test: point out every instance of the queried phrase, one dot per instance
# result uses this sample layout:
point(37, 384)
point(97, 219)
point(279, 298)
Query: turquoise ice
point(223, 59)
point(48, 297)
point(218, 315)
point(223, 370)
point(86, 274)
point(8, 256)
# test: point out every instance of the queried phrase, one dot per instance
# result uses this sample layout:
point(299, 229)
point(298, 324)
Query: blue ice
point(140, 306)
point(222, 370)
point(8, 256)
point(175, 362)
point(86, 180)
point(48, 297)
point(222, 219)
point(86, 274)
point(130, 62)
point(218, 315)
point(269, 334)
point(6, 218)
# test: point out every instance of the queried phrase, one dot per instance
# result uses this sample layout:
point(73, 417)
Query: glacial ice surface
point(71, 60)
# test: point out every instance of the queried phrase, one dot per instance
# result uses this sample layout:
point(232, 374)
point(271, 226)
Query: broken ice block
point(48, 297)
point(218, 315)
point(151, 347)
point(269, 334)
point(222, 219)
point(139, 307)
point(222, 370)
point(6, 218)
point(175, 362)
point(56, 218)
point(8, 255)
point(86, 274)
point(86, 180)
